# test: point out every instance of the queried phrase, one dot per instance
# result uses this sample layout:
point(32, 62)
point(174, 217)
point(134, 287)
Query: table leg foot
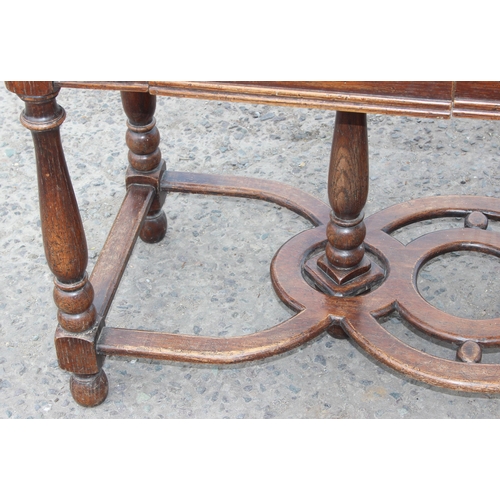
point(337, 332)
point(154, 228)
point(89, 390)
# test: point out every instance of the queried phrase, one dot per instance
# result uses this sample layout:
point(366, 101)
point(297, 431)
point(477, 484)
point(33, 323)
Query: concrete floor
point(210, 276)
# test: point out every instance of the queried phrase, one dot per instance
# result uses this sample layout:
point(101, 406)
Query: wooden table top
point(427, 99)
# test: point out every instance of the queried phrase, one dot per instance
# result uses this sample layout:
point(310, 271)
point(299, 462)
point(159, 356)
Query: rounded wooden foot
point(336, 331)
point(154, 228)
point(89, 390)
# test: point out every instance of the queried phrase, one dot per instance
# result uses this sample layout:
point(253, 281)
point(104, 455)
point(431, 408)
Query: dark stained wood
point(301, 279)
point(30, 89)
point(359, 282)
point(477, 91)
point(145, 163)
point(66, 257)
point(76, 352)
point(347, 192)
point(357, 315)
point(140, 110)
point(115, 254)
point(337, 332)
point(435, 91)
point(343, 268)
point(421, 98)
point(189, 348)
point(348, 174)
point(376, 341)
point(462, 99)
point(62, 230)
point(312, 209)
point(89, 390)
point(477, 100)
point(432, 99)
point(406, 260)
point(302, 327)
point(122, 86)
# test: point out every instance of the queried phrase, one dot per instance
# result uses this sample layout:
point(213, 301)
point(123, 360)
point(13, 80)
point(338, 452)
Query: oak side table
point(327, 275)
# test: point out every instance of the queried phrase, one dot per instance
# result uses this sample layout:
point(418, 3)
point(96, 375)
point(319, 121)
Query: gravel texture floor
point(210, 276)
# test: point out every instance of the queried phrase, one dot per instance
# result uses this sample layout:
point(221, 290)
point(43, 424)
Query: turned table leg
point(145, 163)
point(65, 245)
point(343, 269)
point(344, 257)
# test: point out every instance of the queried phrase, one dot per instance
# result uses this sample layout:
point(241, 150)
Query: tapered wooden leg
point(343, 268)
point(64, 242)
point(145, 163)
point(347, 192)
point(350, 271)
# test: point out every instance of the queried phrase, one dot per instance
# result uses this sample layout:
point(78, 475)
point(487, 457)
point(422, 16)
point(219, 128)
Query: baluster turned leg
point(145, 162)
point(344, 257)
point(343, 269)
point(65, 245)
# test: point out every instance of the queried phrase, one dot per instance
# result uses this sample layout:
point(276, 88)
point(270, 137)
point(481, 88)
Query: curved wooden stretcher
point(342, 276)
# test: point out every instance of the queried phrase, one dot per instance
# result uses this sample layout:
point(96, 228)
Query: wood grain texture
point(348, 172)
point(477, 100)
point(140, 109)
point(66, 254)
point(189, 348)
point(439, 99)
point(116, 252)
point(419, 90)
point(76, 352)
point(145, 162)
point(477, 91)
point(82, 340)
point(65, 244)
point(406, 260)
point(62, 229)
point(36, 88)
point(357, 315)
point(304, 326)
point(296, 200)
point(344, 257)
point(404, 98)
point(121, 86)
point(89, 390)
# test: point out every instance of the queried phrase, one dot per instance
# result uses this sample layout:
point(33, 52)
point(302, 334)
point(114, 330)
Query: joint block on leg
point(76, 352)
point(152, 178)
